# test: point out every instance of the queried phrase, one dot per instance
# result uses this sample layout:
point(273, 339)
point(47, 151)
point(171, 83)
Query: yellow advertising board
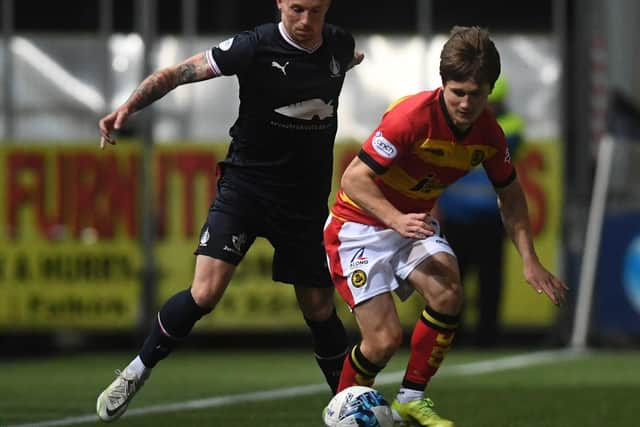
point(68, 253)
point(70, 256)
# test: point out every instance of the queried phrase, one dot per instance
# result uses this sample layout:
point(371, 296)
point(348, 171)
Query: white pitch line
point(464, 369)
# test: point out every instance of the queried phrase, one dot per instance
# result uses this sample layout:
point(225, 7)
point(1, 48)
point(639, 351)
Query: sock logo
point(440, 350)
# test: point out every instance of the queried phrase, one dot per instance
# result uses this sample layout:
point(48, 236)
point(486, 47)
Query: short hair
point(469, 54)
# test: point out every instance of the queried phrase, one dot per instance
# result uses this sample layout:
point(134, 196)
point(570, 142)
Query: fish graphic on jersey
point(308, 109)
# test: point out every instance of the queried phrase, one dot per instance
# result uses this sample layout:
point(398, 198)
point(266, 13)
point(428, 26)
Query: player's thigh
point(437, 279)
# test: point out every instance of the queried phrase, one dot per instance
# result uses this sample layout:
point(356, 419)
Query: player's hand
point(414, 225)
point(357, 58)
point(542, 281)
point(110, 123)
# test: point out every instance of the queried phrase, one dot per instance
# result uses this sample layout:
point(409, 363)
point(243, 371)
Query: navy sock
point(330, 346)
point(173, 323)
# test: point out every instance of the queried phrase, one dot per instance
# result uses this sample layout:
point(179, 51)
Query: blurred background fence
point(92, 241)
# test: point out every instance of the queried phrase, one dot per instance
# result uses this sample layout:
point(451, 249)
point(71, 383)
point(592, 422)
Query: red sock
point(357, 370)
point(430, 342)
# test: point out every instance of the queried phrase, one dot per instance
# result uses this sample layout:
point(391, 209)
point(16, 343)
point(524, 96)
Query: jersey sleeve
point(233, 55)
point(499, 167)
point(347, 47)
point(391, 139)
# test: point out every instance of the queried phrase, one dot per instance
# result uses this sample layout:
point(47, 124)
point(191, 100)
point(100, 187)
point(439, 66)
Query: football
point(358, 406)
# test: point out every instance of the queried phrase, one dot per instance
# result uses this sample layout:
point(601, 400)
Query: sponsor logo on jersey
point(358, 278)
point(334, 67)
point(204, 238)
point(282, 68)
point(225, 45)
point(435, 151)
point(308, 109)
point(383, 146)
point(358, 259)
point(427, 184)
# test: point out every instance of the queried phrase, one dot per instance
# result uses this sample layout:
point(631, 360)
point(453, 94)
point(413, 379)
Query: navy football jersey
point(282, 141)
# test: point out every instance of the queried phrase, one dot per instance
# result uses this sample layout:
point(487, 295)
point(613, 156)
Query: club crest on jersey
point(334, 67)
point(204, 239)
point(225, 45)
point(383, 146)
point(477, 157)
point(358, 278)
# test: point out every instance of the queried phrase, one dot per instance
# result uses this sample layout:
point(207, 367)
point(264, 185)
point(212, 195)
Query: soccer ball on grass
point(358, 406)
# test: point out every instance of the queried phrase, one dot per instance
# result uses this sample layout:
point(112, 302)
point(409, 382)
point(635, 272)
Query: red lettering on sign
point(188, 165)
point(25, 187)
point(74, 191)
point(105, 194)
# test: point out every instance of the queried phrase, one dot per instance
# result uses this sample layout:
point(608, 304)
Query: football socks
point(173, 323)
point(430, 342)
point(330, 347)
point(357, 370)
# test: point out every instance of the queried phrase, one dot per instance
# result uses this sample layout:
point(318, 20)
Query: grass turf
point(595, 389)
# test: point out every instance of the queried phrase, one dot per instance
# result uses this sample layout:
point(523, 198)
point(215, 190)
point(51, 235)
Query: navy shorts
point(237, 217)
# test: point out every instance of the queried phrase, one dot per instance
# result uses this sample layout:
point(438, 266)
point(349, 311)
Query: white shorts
point(366, 261)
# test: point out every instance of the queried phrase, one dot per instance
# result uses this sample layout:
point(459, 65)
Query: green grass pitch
point(592, 389)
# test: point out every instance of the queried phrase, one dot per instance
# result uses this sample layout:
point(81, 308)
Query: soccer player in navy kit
point(274, 181)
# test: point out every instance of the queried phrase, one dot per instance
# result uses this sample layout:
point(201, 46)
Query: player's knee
point(319, 311)
point(316, 304)
point(386, 343)
point(205, 293)
point(449, 300)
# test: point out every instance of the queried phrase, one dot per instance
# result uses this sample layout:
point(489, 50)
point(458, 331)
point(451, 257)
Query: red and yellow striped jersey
point(417, 153)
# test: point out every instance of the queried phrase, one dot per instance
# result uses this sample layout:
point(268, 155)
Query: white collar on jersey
point(289, 39)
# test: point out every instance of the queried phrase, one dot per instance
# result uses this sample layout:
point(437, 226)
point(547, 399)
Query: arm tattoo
point(188, 73)
point(153, 88)
point(162, 82)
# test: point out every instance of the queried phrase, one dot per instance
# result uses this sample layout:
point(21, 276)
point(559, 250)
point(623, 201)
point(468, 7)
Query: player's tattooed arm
point(151, 89)
point(164, 81)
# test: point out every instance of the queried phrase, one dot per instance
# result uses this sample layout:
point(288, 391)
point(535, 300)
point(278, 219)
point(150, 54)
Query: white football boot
point(113, 401)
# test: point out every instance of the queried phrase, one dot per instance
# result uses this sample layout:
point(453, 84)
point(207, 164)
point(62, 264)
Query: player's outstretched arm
point(153, 88)
point(515, 217)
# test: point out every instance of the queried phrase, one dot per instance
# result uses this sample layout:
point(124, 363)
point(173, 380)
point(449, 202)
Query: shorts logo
point(358, 259)
point(383, 146)
point(204, 239)
point(238, 243)
point(358, 278)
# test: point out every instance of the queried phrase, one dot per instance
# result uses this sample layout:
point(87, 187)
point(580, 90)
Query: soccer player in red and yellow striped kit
point(381, 238)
